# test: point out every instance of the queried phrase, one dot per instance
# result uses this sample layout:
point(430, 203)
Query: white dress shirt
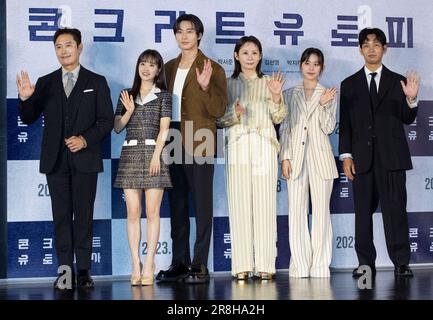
point(179, 81)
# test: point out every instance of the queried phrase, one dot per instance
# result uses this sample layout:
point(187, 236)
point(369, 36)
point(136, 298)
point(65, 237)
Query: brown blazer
point(200, 107)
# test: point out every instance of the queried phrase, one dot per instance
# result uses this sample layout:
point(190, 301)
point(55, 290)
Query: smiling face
point(67, 51)
point(148, 70)
point(186, 36)
point(249, 57)
point(311, 68)
point(372, 50)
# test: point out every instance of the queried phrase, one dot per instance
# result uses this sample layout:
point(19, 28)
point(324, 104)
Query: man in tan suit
point(199, 92)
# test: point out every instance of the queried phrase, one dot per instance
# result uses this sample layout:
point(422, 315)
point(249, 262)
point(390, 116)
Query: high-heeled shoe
point(148, 281)
point(242, 275)
point(265, 276)
point(136, 280)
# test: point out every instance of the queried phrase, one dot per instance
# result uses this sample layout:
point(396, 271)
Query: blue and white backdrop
point(115, 32)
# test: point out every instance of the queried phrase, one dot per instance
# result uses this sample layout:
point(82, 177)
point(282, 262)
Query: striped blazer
point(308, 120)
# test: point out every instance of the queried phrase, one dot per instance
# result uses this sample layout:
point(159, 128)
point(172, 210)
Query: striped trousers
point(251, 170)
point(311, 254)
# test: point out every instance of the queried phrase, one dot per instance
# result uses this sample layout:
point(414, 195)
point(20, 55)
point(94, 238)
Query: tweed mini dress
point(141, 135)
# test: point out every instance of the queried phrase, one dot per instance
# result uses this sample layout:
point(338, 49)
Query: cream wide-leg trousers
point(251, 170)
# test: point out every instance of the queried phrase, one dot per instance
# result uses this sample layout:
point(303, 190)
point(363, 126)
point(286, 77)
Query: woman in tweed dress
point(145, 112)
point(255, 104)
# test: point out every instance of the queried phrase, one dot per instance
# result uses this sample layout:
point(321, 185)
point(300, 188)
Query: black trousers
point(72, 201)
point(197, 180)
point(388, 188)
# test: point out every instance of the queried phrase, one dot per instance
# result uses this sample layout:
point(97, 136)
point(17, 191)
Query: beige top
point(261, 112)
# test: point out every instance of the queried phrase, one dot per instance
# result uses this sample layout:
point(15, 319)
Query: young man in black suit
point(375, 103)
point(78, 115)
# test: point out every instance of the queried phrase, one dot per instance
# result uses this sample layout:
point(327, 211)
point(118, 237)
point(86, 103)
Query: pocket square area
point(88, 90)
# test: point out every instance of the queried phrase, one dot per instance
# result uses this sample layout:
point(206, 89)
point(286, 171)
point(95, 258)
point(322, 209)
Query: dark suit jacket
point(358, 123)
point(91, 115)
point(203, 108)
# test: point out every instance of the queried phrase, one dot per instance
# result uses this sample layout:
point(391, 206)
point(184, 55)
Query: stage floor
point(341, 286)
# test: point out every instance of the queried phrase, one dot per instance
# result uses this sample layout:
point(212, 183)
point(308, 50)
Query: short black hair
point(380, 35)
point(308, 52)
point(198, 25)
point(75, 33)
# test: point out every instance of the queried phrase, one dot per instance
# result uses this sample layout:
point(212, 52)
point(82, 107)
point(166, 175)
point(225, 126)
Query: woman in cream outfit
point(255, 104)
point(308, 164)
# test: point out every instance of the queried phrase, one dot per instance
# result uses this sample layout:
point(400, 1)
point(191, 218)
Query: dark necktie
point(374, 99)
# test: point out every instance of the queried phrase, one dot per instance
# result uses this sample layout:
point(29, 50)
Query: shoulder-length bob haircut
point(238, 47)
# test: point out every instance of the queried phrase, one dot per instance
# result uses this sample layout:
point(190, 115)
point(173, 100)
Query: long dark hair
point(238, 46)
point(151, 56)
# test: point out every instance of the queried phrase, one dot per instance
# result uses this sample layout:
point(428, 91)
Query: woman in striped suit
point(255, 104)
point(308, 164)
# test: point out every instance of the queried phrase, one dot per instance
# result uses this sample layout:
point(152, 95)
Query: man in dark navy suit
point(375, 105)
point(78, 115)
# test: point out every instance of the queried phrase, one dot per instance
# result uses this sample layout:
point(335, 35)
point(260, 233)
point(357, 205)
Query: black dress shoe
point(356, 273)
point(403, 271)
point(197, 274)
point(175, 272)
point(84, 280)
point(60, 282)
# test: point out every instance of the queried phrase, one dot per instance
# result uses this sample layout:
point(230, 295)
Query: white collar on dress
point(149, 97)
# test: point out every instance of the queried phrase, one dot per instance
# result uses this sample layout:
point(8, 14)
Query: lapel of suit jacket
point(198, 63)
point(300, 98)
point(77, 92)
point(315, 98)
point(384, 84)
point(60, 96)
point(362, 87)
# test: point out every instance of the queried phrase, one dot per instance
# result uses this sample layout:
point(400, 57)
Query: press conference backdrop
point(114, 34)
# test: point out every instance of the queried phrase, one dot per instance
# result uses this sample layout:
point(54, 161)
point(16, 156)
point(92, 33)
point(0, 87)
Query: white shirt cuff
point(412, 105)
point(344, 156)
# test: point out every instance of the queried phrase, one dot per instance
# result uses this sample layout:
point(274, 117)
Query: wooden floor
point(341, 286)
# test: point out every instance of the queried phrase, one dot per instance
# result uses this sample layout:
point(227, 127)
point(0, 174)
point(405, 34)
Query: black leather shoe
point(403, 271)
point(356, 273)
point(60, 283)
point(84, 280)
point(175, 272)
point(198, 274)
